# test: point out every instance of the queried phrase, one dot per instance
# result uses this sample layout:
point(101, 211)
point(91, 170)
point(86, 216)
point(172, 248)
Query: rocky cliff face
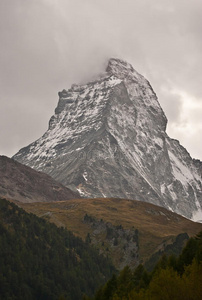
point(122, 245)
point(108, 139)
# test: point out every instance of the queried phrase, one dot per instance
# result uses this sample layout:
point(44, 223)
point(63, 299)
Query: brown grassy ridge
point(156, 225)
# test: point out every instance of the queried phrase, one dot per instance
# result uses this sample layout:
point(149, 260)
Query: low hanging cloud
point(47, 45)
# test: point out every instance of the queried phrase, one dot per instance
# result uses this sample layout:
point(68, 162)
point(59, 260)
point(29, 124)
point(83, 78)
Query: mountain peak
point(107, 139)
point(121, 68)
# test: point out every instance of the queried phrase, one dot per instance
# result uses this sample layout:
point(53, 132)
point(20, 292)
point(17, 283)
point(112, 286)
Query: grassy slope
point(156, 225)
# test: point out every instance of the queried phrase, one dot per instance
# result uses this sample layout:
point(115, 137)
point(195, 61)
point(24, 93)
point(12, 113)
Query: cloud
point(188, 127)
point(47, 45)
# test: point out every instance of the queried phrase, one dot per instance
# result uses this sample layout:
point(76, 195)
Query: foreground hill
point(108, 138)
point(42, 262)
point(130, 232)
point(19, 182)
point(172, 279)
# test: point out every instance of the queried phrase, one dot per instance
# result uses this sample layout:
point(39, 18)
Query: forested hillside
point(172, 278)
point(41, 261)
point(121, 228)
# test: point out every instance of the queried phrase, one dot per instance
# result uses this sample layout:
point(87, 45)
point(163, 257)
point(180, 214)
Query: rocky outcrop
point(108, 138)
point(122, 245)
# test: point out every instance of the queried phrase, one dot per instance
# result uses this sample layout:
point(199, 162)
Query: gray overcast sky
point(46, 45)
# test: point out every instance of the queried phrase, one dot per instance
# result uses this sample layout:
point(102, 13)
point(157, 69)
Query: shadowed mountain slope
point(19, 182)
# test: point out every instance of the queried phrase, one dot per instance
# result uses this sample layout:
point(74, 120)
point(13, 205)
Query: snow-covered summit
point(122, 69)
point(108, 138)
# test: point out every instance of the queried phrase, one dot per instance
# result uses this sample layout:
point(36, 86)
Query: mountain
point(108, 138)
point(19, 182)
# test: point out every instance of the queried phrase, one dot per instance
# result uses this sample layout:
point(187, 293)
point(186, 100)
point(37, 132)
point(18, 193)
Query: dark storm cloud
point(47, 45)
